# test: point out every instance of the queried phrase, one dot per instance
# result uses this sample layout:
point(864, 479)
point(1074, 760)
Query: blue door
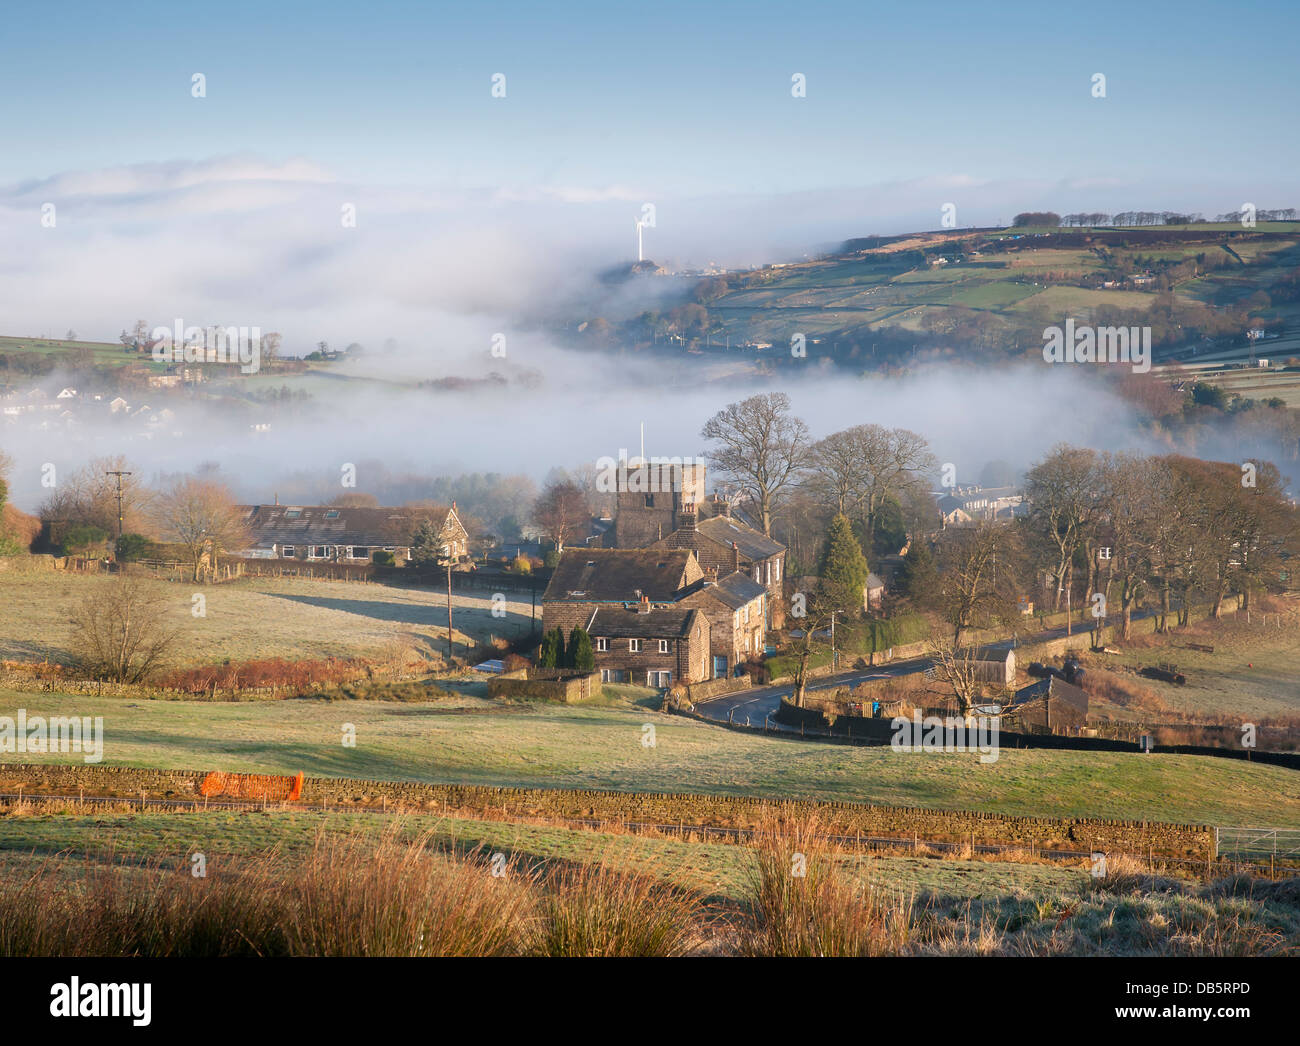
point(719, 667)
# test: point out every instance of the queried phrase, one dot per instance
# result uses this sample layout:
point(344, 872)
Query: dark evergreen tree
point(552, 652)
point(581, 654)
point(843, 569)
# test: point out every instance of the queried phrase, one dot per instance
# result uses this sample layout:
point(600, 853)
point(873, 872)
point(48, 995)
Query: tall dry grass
point(803, 904)
point(398, 895)
point(603, 911)
point(349, 895)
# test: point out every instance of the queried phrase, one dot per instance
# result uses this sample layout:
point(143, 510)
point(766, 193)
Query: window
point(602, 643)
point(634, 645)
point(776, 574)
point(332, 514)
point(293, 513)
point(746, 613)
point(660, 679)
point(758, 574)
point(735, 619)
point(289, 552)
point(663, 646)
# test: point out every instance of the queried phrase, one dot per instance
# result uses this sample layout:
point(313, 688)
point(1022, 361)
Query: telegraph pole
point(119, 476)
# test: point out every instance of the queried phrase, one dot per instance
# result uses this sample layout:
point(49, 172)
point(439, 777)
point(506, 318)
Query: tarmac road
point(753, 707)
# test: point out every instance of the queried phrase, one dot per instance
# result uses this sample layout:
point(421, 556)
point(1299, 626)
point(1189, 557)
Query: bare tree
point(201, 515)
point(1268, 533)
point(1172, 539)
point(958, 670)
point(271, 346)
point(88, 497)
point(895, 461)
point(120, 631)
point(837, 472)
point(978, 577)
point(811, 616)
point(561, 511)
point(762, 446)
point(1062, 491)
point(1130, 499)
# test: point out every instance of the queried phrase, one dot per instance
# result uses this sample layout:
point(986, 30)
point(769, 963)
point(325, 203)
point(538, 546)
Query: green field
point(844, 294)
point(601, 747)
point(1252, 673)
point(101, 353)
point(262, 618)
point(716, 870)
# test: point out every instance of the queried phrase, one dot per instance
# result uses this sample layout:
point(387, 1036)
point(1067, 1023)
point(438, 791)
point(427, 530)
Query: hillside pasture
point(262, 617)
point(600, 747)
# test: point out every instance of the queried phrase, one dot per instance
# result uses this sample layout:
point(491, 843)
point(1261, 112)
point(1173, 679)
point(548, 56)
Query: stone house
point(736, 608)
point(662, 504)
point(654, 616)
point(339, 533)
point(650, 644)
point(724, 546)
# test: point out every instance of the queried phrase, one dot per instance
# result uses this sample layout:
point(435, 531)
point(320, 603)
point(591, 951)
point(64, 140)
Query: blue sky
point(675, 97)
point(482, 210)
point(477, 215)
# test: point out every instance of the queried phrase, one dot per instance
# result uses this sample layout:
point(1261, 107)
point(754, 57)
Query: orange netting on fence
point(252, 786)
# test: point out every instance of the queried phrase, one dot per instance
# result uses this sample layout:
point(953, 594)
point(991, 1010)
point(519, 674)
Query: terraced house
point(654, 615)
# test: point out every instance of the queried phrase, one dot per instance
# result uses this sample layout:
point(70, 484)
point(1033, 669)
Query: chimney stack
point(735, 557)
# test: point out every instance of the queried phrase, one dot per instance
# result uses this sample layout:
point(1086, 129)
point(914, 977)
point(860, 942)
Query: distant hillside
point(883, 301)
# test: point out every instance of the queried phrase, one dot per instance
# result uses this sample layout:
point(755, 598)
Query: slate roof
point(615, 575)
point(621, 623)
point(752, 543)
point(326, 525)
point(734, 590)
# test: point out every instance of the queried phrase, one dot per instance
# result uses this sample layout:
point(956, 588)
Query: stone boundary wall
point(26, 682)
point(541, 684)
point(37, 564)
point(712, 688)
point(848, 662)
point(1079, 834)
